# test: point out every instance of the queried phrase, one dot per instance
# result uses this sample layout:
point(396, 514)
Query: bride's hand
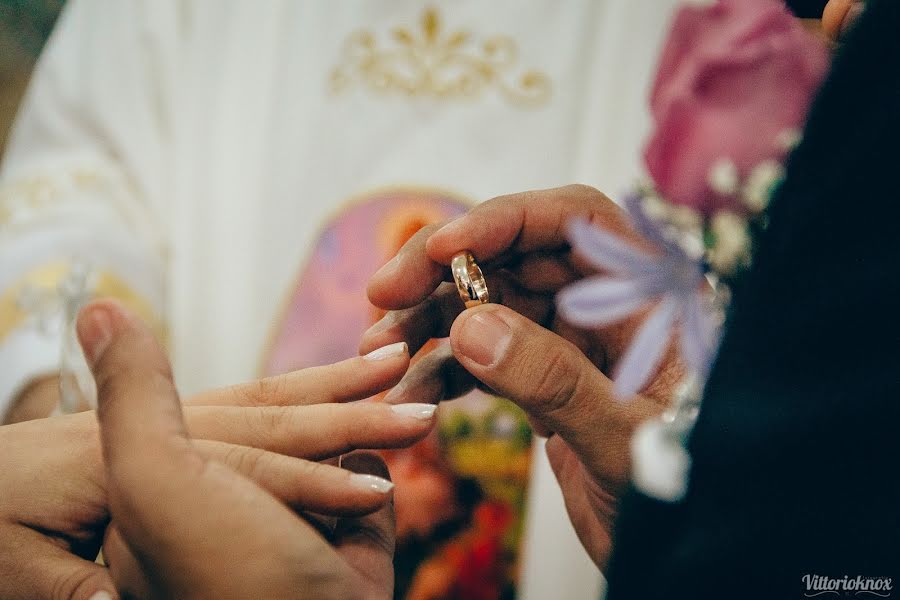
point(194, 527)
point(53, 508)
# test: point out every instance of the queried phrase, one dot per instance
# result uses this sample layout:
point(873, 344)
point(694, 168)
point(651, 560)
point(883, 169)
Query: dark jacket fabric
point(796, 453)
point(807, 9)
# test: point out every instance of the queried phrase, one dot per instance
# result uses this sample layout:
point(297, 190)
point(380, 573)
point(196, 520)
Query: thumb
point(553, 381)
point(141, 426)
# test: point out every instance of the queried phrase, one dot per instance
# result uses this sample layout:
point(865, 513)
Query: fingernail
point(101, 595)
point(484, 338)
point(423, 412)
point(395, 393)
point(389, 351)
point(449, 228)
point(371, 483)
point(387, 268)
point(95, 332)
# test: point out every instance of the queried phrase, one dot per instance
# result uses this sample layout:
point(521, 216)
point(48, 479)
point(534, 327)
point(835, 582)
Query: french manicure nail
point(389, 351)
point(423, 412)
point(484, 338)
point(371, 482)
point(101, 595)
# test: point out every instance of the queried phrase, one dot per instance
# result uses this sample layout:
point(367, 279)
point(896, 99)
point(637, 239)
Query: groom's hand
point(195, 527)
point(518, 347)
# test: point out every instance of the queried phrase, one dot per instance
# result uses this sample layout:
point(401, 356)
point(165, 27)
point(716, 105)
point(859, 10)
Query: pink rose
point(736, 78)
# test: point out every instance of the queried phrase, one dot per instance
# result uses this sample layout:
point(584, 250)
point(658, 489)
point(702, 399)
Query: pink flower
point(736, 79)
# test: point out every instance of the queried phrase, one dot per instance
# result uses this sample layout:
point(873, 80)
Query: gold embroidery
point(43, 284)
point(428, 63)
point(40, 194)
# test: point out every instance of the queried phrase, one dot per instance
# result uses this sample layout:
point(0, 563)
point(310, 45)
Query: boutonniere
point(735, 82)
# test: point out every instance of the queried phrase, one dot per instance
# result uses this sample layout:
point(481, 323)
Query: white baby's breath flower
point(731, 243)
point(789, 139)
point(723, 177)
point(758, 187)
point(685, 218)
point(654, 207)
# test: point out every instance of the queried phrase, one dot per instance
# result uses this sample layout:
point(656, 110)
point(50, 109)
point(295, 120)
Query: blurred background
point(24, 26)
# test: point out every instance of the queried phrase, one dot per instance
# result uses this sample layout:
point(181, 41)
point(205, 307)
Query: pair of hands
point(518, 347)
point(202, 497)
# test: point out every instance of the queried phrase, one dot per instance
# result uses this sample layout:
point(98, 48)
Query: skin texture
point(839, 16)
point(36, 401)
point(518, 347)
point(245, 447)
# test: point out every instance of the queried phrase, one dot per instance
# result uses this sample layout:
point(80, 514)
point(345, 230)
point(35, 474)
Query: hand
point(521, 349)
point(197, 528)
point(53, 491)
point(36, 401)
point(839, 16)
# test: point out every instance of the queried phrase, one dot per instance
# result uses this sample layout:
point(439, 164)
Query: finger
point(138, 410)
point(839, 16)
point(177, 511)
point(546, 272)
point(554, 382)
point(303, 484)
point(409, 277)
point(367, 543)
point(48, 571)
point(433, 317)
point(429, 319)
point(123, 566)
point(592, 523)
point(346, 381)
point(523, 223)
point(313, 432)
point(435, 377)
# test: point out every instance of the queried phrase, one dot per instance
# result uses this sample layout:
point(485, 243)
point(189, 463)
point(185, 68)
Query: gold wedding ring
point(469, 280)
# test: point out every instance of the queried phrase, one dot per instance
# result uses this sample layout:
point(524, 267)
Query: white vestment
point(187, 154)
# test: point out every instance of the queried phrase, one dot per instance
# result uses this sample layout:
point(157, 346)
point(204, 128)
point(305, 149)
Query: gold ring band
point(469, 280)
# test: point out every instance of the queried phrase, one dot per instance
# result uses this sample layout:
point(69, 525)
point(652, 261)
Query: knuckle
point(314, 471)
point(581, 189)
point(252, 462)
point(256, 393)
point(274, 419)
point(79, 583)
point(558, 381)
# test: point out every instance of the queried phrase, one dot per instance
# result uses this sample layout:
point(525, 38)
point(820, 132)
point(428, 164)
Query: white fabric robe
point(189, 152)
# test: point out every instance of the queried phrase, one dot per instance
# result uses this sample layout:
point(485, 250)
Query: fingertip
point(379, 283)
point(378, 335)
point(835, 17)
point(389, 352)
point(481, 335)
point(96, 324)
point(435, 246)
point(373, 485)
